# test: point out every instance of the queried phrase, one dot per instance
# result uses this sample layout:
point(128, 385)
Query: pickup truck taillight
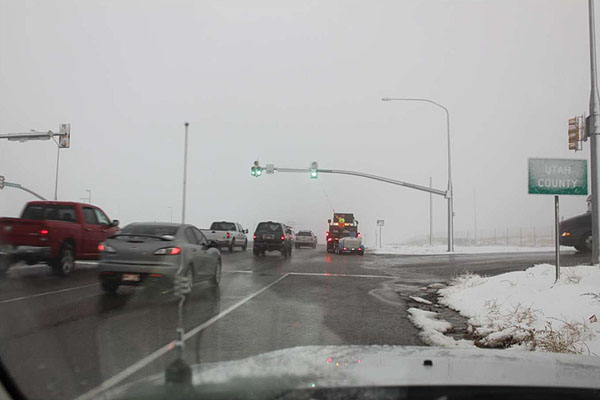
point(106, 249)
point(282, 237)
point(228, 235)
point(254, 237)
point(44, 232)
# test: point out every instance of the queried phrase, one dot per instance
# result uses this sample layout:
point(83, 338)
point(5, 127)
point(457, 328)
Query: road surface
point(63, 338)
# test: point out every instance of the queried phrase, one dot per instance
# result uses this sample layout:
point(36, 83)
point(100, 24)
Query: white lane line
point(46, 293)
point(339, 275)
point(164, 349)
point(239, 271)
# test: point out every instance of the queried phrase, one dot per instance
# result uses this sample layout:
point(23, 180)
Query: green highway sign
point(557, 176)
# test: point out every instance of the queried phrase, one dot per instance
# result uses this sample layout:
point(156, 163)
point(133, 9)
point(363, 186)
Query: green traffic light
point(258, 171)
point(313, 174)
point(253, 171)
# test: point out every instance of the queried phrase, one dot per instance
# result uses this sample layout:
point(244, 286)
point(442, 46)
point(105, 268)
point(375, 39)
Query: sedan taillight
point(102, 248)
point(168, 251)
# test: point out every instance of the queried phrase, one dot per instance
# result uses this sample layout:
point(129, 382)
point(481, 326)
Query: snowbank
point(442, 249)
point(432, 329)
point(526, 309)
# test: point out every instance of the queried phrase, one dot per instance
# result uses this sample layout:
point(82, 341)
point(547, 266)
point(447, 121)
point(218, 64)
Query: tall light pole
point(449, 192)
point(594, 131)
point(184, 172)
point(89, 196)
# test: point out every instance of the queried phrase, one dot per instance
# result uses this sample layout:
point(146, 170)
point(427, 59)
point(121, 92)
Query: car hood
point(576, 221)
point(362, 366)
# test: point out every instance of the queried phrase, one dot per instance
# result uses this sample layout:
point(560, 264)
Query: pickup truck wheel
point(216, 279)
point(245, 246)
point(65, 263)
point(585, 245)
point(232, 246)
point(110, 287)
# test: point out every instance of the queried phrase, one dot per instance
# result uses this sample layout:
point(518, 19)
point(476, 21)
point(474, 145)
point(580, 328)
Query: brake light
point(106, 249)
point(253, 236)
point(156, 275)
point(327, 233)
point(100, 247)
point(44, 232)
point(329, 239)
point(358, 234)
point(168, 251)
point(227, 235)
point(282, 237)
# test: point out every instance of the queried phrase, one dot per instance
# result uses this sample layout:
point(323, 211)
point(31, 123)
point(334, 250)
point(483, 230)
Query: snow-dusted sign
point(557, 176)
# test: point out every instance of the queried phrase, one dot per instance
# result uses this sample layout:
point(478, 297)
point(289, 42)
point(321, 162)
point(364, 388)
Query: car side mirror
point(115, 222)
point(245, 230)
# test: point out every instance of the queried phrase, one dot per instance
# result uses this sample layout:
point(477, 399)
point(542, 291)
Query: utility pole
point(184, 172)
point(475, 215)
point(593, 132)
point(430, 213)
point(89, 196)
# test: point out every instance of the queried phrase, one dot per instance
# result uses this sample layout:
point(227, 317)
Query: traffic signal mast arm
point(18, 186)
point(368, 176)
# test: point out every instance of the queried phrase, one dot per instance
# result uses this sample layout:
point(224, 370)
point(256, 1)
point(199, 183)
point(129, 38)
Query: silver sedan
point(151, 253)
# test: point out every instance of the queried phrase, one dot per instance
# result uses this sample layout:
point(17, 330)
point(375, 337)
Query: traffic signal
point(1, 182)
point(256, 170)
point(574, 134)
point(64, 141)
point(314, 166)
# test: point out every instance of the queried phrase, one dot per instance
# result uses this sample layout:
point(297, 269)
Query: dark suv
point(273, 236)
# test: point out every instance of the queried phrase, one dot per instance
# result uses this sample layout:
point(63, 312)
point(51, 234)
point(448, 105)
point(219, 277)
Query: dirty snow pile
point(432, 329)
point(442, 249)
point(528, 310)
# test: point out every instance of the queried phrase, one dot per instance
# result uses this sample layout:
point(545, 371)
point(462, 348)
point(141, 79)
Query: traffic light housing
point(2, 182)
point(574, 137)
point(314, 173)
point(64, 141)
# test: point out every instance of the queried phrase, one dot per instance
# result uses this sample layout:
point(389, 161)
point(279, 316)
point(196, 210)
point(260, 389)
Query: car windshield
point(158, 159)
point(222, 226)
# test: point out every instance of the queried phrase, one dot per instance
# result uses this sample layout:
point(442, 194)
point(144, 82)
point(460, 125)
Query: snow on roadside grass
point(526, 309)
point(442, 249)
point(432, 329)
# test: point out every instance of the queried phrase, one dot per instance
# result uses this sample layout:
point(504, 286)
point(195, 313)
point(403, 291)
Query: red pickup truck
point(55, 232)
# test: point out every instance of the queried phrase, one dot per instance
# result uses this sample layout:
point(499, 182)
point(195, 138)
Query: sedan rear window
point(155, 230)
point(268, 227)
point(222, 226)
point(304, 233)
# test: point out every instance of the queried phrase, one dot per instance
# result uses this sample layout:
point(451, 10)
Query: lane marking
point(339, 275)
point(166, 348)
point(46, 293)
point(235, 271)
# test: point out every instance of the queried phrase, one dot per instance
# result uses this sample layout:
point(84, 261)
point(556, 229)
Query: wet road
point(63, 338)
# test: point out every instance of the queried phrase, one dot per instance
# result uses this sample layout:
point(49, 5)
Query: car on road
point(272, 236)
point(54, 232)
point(350, 244)
point(577, 232)
point(306, 239)
point(153, 254)
point(227, 234)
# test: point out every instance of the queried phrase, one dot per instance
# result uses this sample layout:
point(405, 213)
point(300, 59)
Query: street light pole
point(56, 178)
point(184, 172)
point(594, 146)
point(450, 190)
point(89, 196)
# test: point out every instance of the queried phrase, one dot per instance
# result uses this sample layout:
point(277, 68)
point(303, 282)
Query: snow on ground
point(528, 310)
point(442, 249)
point(432, 329)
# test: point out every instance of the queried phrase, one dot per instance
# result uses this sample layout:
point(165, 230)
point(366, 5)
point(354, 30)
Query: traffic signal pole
point(445, 193)
point(593, 132)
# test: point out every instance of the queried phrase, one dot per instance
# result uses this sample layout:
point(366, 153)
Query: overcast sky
point(289, 82)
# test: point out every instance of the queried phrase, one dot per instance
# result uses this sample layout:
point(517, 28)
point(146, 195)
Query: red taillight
point(358, 234)
point(254, 237)
point(44, 232)
point(326, 233)
point(101, 247)
point(282, 237)
point(329, 239)
point(108, 273)
point(174, 251)
point(156, 275)
point(227, 235)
